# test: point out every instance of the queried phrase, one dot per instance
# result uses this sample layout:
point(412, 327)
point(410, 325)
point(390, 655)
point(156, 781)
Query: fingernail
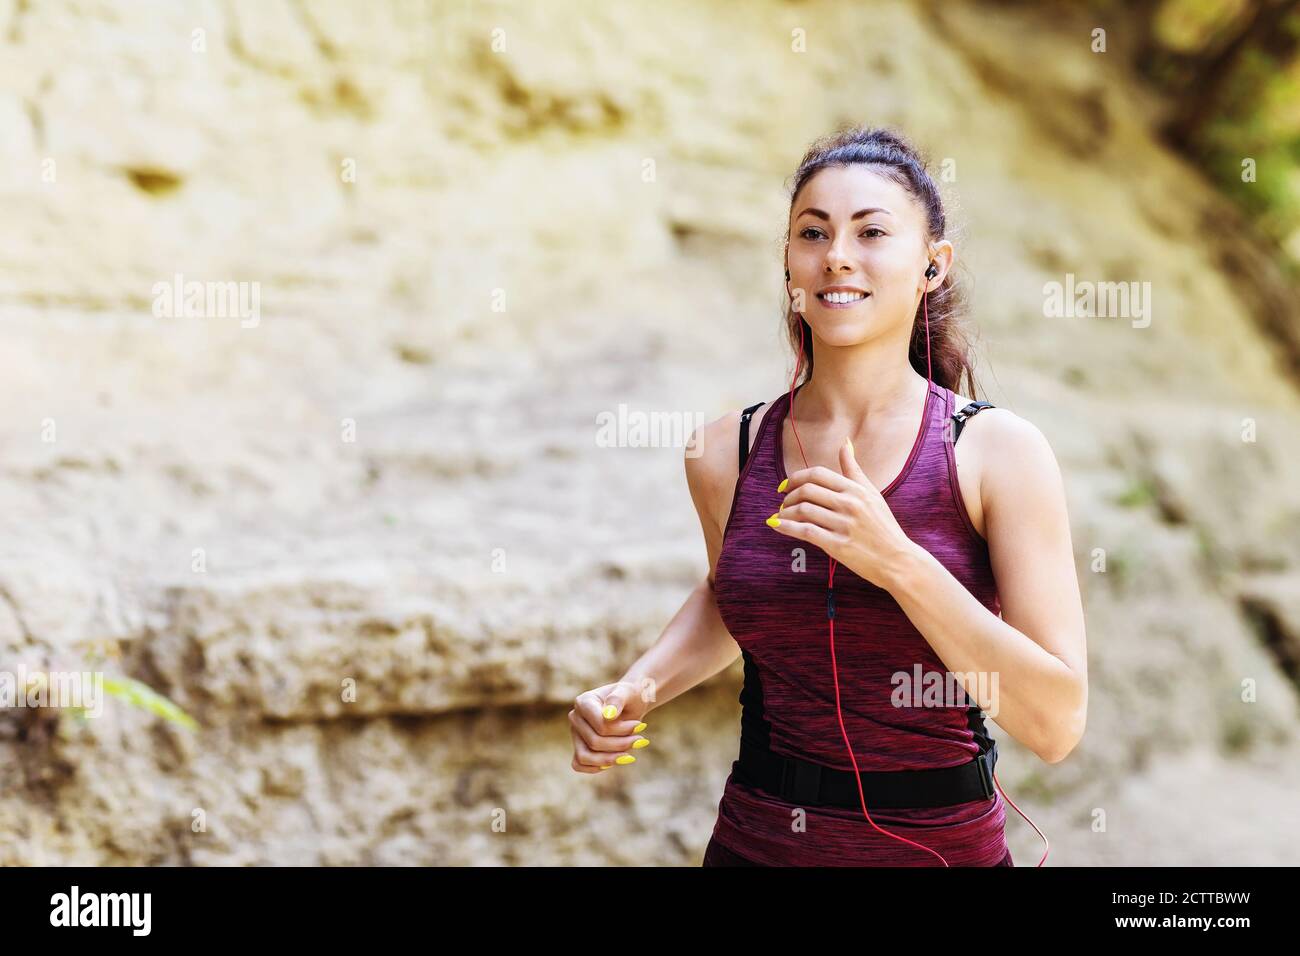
point(774, 522)
point(626, 759)
point(639, 727)
point(849, 442)
point(610, 711)
point(643, 742)
point(606, 766)
point(784, 483)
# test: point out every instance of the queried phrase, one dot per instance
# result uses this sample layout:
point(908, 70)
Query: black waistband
point(803, 783)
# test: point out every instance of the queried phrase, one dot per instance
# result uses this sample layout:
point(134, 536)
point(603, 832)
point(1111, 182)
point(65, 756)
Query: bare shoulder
point(998, 454)
point(713, 463)
point(996, 431)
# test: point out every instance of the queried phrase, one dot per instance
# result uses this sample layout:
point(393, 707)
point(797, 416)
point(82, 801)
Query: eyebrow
point(857, 215)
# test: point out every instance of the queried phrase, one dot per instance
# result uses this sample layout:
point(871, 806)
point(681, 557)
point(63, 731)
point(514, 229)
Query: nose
point(836, 257)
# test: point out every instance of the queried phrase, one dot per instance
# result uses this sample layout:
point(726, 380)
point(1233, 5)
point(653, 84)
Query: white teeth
point(843, 296)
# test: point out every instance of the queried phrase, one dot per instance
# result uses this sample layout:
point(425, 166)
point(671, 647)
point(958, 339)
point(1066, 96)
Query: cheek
point(894, 275)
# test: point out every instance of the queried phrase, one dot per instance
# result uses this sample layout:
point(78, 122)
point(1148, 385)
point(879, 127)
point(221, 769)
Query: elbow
point(1062, 742)
point(1058, 753)
point(1064, 727)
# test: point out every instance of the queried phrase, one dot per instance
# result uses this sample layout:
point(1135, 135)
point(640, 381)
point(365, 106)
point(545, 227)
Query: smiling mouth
point(842, 298)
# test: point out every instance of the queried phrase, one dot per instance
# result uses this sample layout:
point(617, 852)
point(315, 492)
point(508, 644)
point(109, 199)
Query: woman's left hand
point(846, 516)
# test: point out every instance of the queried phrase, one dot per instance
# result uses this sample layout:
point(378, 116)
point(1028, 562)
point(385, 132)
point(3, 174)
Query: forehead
point(843, 190)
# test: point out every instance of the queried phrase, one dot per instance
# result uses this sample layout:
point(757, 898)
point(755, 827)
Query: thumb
point(849, 463)
point(614, 703)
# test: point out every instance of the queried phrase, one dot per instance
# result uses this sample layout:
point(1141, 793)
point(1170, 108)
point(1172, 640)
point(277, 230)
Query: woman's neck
point(853, 398)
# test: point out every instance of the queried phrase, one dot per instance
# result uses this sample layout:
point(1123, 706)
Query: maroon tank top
point(771, 593)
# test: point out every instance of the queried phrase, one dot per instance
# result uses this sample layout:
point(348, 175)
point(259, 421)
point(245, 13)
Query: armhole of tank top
point(749, 463)
point(958, 499)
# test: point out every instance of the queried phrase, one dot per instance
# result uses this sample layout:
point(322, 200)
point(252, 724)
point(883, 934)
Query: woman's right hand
point(601, 741)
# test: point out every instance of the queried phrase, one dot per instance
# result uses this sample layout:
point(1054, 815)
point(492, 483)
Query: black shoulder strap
point(961, 416)
point(745, 416)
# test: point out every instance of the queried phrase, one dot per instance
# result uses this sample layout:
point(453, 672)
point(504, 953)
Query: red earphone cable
point(830, 584)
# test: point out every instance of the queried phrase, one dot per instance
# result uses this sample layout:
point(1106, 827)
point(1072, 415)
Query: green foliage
point(1139, 494)
point(1246, 111)
point(1236, 734)
point(141, 695)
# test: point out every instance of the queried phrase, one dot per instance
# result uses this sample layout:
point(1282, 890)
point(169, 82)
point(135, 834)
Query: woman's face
point(853, 227)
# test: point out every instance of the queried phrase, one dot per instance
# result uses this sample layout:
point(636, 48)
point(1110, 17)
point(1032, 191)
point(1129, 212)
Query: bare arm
point(696, 645)
point(1037, 649)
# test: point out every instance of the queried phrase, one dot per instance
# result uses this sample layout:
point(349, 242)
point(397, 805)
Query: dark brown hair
point(892, 156)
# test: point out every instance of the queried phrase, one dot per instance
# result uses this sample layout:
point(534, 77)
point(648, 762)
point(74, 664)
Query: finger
point(586, 761)
point(806, 531)
point(614, 703)
point(849, 463)
point(817, 494)
point(863, 488)
point(619, 707)
point(812, 513)
point(821, 475)
point(602, 759)
point(589, 705)
point(595, 740)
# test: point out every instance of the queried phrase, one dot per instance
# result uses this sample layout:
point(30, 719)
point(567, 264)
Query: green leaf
point(145, 697)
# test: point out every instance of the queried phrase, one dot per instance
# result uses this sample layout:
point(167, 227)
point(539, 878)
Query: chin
point(839, 335)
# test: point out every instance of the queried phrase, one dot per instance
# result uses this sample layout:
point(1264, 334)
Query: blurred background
point(339, 529)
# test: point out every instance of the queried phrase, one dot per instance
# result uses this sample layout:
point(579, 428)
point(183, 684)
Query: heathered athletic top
point(771, 593)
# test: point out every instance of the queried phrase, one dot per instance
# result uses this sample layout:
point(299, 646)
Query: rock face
point(351, 512)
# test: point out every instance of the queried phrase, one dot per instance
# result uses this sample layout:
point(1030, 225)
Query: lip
point(842, 305)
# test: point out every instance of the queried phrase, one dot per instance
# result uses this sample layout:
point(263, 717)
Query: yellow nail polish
point(643, 742)
point(784, 483)
point(774, 522)
point(639, 727)
point(626, 759)
point(610, 712)
point(606, 766)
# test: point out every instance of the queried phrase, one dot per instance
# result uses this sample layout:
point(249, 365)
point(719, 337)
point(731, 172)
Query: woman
point(847, 757)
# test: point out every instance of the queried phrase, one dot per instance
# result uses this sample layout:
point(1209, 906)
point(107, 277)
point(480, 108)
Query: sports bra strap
point(744, 431)
point(973, 408)
point(961, 416)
